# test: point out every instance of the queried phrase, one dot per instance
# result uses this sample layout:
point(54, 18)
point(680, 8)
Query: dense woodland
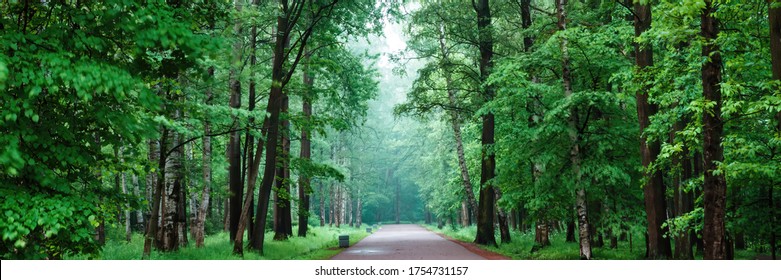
point(601, 120)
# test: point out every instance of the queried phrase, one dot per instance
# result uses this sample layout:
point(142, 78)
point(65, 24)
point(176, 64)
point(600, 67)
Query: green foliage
point(75, 79)
point(37, 226)
point(320, 243)
point(87, 88)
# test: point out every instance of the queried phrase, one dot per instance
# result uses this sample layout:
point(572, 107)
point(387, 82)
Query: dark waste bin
point(369, 230)
point(344, 241)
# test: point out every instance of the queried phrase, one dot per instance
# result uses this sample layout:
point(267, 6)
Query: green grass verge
point(320, 243)
point(522, 243)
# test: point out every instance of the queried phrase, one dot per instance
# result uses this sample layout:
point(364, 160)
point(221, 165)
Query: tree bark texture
point(455, 124)
point(654, 188)
point(246, 214)
point(273, 111)
point(580, 192)
point(501, 215)
point(234, 145)
point(200, 216)
point(542, 234)
point(322, 203)
point(139, 213)
point(304, 182)
point(714, 187)
point(172, 198)
point(282, 193)
point(486, 204)
point(125, 191)
point(154, 219)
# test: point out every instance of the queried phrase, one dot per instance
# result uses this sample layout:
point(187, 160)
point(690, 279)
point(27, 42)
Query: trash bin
point(344, 241)
point(369, 229)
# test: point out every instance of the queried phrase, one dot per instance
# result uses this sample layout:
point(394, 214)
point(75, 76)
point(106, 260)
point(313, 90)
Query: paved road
point(406, 242)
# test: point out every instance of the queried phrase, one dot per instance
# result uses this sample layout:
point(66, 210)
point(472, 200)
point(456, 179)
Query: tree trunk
point(154, 219)
point(654, 188)
point(504, 228)
point(140, 213)
point(123, 183)
point(332, 204)
point(170, 228)
point(542, 234)
point(226, 214)
point(306, 152)
point(234, 145)
point(339, 205)
point(322, 203)
point(570, 235)
point(349, 202)
point(200, 216)
point(714, 187)
point(388, 182)
point(282, 194)
point(464, 213)
point(273, 110)
point(683, 204)
point(244, 219)
point(580, 191)
point(153, 153)
point(359, 210)
point(454, 123)
point(485, 212)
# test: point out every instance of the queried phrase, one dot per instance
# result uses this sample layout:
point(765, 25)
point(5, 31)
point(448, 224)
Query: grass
point(522, 243)
point(320, 243)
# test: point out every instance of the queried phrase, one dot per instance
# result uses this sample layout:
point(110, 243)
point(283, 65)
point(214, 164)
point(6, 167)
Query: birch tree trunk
point(123, 183)
point(580, 191)
point(154, 219)
point(203, 203)
point(469, 193)
point(139, 212)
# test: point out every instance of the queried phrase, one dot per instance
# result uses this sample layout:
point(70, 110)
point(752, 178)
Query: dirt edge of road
point(488, 255)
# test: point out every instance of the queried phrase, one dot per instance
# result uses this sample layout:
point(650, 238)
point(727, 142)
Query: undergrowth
point(320, 243)
point(521, 246)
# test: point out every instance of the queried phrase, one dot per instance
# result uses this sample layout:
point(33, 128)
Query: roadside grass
point(320, 243)
point(521, 246)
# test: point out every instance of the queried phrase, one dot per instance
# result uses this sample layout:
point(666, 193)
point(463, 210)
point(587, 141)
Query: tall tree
point(172, 199)
point(304, 180)
point(654, 188)
point(486, 207)
point(154, 219)
point(575, 157)
point(455, 124)
point(253, 161)
point(283, 219)
point(234, 145)
point(199, 225)
point(715, 186)
point(287, 19)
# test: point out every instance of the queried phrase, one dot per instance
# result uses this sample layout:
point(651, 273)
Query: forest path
point(406, 242)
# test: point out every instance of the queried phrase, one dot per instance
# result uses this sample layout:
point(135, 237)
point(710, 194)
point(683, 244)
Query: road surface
point(406, 242)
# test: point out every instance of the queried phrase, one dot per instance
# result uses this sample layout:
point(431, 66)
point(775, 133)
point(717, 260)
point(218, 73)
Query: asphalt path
point(406, 242)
